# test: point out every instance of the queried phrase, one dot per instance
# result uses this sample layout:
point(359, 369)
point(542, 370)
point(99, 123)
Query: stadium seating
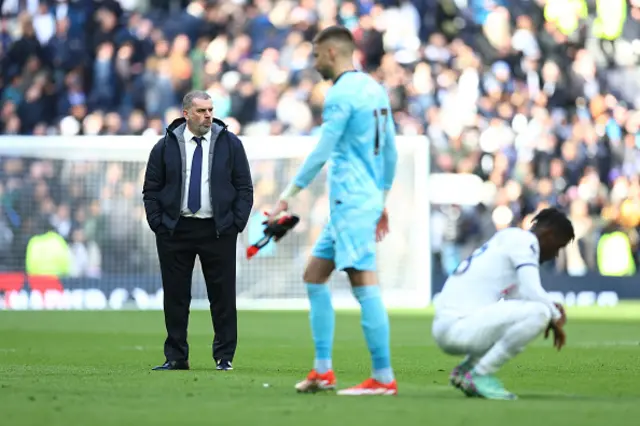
point(545, 113)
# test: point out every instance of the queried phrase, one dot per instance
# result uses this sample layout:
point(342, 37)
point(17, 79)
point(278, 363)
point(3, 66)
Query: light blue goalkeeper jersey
point(358, 140)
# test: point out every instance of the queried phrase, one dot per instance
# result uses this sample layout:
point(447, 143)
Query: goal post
point(89, 189)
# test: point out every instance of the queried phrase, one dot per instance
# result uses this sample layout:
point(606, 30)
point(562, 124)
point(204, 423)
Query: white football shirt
point(505, 267)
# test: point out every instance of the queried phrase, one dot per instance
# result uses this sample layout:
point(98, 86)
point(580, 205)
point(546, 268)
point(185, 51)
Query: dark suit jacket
point(230, 182)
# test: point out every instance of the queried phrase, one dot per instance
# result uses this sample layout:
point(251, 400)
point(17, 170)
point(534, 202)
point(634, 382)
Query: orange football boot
point(316, 382)
point(371, 387)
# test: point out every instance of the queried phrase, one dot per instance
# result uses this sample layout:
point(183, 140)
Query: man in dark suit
point(198, 195)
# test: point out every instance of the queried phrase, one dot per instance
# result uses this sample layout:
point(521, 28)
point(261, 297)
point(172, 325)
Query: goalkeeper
point(358, 138)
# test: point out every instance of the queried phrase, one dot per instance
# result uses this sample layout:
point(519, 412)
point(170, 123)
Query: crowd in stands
point(539, 98)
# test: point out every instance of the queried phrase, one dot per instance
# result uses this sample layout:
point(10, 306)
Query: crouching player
point(358, 137)
point(472, 320)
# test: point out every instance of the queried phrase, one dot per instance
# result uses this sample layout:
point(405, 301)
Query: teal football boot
point(485, 386)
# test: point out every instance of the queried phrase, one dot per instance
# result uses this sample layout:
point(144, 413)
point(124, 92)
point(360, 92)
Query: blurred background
point(537, 100)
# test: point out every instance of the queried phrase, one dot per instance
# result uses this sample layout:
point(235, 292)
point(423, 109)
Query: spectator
point(538, 98)
point(48, 254)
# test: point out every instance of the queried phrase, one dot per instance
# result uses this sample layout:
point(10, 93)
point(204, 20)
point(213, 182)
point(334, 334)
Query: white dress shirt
point(206, 211)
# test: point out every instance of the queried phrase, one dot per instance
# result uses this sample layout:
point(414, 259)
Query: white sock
point(497, 356)
point(511, 344)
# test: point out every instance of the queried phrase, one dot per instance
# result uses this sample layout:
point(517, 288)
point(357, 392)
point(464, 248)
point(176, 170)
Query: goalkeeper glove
point(275, 230)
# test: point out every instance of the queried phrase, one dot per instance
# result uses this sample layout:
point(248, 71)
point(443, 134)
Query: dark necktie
point(196, 178)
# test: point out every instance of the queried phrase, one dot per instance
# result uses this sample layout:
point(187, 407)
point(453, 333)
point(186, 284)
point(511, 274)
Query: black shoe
point(224, 365)
point(173, 365)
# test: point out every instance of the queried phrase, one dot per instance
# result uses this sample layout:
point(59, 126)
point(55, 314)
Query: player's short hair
point(187, 101)
point(336, 33)
point(553, 218)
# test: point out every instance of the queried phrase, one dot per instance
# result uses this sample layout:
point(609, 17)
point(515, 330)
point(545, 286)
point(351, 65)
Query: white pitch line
point(607, 343)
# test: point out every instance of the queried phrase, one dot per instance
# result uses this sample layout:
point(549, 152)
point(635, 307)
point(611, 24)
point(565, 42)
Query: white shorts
point(474, 334)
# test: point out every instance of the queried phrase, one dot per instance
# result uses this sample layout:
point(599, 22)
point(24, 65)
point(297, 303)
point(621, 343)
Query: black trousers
point(177, 254)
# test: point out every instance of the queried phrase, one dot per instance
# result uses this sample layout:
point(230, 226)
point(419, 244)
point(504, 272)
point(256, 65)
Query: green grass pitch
point(93, 369)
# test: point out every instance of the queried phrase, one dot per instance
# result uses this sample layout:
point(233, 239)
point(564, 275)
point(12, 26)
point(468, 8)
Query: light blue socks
point(375, 325)
point(323, 321)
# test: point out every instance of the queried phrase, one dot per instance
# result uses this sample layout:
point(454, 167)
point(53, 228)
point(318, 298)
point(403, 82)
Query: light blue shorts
point(349, 239)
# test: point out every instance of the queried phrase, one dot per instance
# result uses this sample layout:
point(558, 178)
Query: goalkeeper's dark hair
point(336, 33)
point(555, 219)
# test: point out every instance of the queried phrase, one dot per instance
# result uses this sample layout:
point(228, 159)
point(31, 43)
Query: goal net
point(88, 190)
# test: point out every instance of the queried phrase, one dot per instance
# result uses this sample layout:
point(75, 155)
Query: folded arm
point(525, 259)
point(531, 289)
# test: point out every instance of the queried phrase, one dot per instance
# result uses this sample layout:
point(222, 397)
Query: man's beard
point(204, 128)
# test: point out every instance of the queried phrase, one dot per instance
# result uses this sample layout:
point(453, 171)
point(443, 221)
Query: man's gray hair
point(187, 101)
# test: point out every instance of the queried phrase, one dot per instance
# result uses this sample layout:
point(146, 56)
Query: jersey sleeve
point(524, 250)
point(525, 259)
point(390, 154)
point(335, 116)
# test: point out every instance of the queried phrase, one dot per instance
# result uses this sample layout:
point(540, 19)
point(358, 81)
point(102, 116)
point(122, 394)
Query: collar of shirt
point(188, 136)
